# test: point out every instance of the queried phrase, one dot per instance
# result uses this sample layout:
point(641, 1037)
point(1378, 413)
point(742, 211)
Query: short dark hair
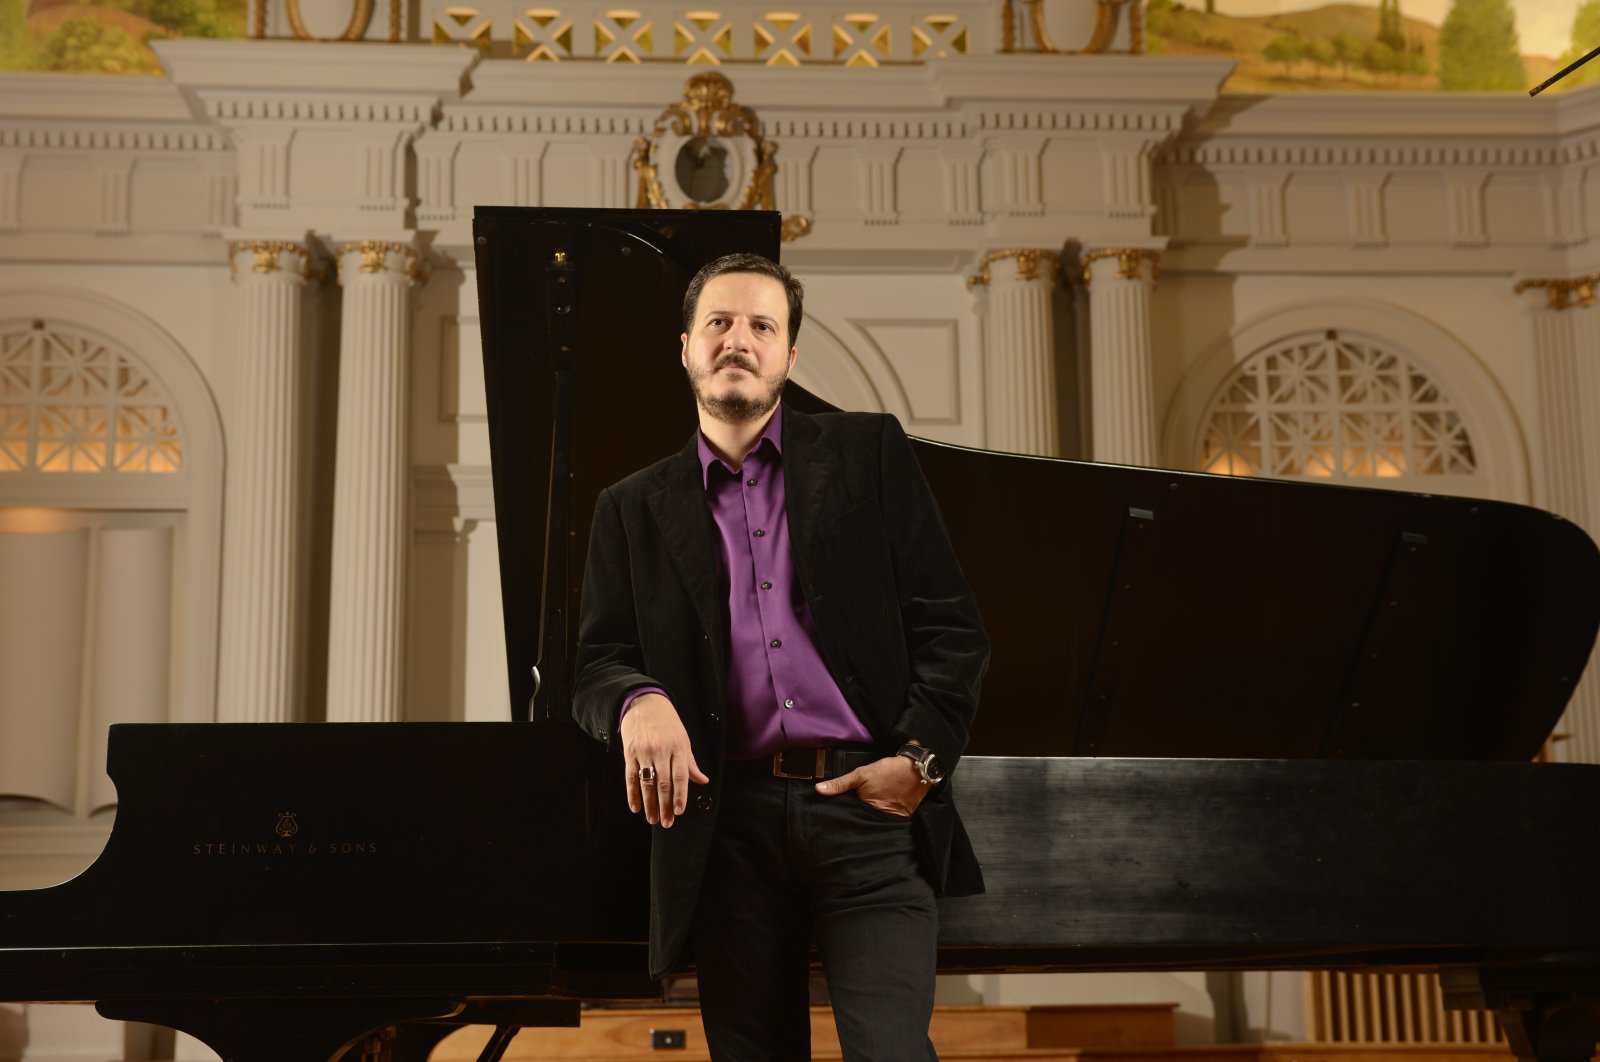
point(746, 263)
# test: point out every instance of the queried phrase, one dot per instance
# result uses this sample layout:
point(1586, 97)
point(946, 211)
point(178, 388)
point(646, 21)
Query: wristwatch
point(927, 763)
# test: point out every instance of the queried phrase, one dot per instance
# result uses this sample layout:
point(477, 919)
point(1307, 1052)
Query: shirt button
point(712, 721)
point(760, 533)
point(703, 803)
point(749, 482)
point(788, 704)
point(776, 642)
point(766, 586)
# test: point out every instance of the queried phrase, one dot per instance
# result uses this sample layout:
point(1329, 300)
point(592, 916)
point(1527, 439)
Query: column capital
point(1028, 262)
point(292, 256)
point(1562, 294)
point(376, 257)
point(1130, 262)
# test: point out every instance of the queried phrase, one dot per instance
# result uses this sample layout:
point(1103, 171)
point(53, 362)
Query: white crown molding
point(1085, 82)
point(1202, 258)
point(443, 494)
point(317, 66)
point(79, 839)
point(38, 135)
point(88, 248)
point(93, 97)
point(1374, 116)
point(1311, 153)
point(313, 108)
point(1132, 80)
point(1578, 109)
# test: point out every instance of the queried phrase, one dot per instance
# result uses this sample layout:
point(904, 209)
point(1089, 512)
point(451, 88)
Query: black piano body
point(1229, 724)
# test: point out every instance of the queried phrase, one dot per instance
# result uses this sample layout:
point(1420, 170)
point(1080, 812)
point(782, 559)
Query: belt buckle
point(780, 765)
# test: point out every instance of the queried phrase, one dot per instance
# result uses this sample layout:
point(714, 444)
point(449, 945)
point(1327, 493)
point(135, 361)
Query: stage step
point(1083, 1033)
point(997, 1033)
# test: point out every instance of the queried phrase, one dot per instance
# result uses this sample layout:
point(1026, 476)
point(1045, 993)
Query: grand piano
point(1229, 724)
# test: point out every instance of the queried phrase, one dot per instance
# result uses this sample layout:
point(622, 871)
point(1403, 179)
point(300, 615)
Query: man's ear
point(793, 353)
point(683, 352)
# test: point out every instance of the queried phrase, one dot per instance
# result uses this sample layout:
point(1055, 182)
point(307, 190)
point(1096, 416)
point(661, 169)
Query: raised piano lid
point(1133, 612)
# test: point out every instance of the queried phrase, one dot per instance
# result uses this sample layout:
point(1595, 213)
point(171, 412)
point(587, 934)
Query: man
point(775, 626)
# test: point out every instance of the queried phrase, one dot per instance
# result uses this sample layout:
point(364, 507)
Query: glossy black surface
point(1146, 612)
point(1255, 864)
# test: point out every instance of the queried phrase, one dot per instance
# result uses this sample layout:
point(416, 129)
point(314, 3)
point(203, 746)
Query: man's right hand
point(653, 736)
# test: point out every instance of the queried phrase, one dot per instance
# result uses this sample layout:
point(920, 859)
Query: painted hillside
point(1358, 47)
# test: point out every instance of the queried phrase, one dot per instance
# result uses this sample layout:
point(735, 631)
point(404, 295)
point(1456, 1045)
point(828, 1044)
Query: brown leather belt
point(817, 764)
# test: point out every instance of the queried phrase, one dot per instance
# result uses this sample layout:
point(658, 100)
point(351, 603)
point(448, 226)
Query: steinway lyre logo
point(287, 826)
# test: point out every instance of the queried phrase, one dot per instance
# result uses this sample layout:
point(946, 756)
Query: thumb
point(842, 784)
point(696, 775)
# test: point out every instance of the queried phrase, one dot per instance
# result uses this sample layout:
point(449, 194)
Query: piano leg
point(1550, 1013)
point(283, 1030)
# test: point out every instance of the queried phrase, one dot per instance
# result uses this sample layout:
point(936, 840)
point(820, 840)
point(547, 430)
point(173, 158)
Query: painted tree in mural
point(88, 45)
point(1478, 47)
point(1585, 38)
point(1391, 31)
point(16, 47)
point(1157, 24)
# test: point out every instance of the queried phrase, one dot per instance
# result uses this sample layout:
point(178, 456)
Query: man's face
point(737, 354)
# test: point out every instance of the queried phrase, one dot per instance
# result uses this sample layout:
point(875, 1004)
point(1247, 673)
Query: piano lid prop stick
point(1558, 75)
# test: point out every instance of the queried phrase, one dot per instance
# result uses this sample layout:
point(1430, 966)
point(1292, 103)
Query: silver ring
point(647, 776)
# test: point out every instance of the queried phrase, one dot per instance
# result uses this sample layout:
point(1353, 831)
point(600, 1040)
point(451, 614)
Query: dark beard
point(736, 409)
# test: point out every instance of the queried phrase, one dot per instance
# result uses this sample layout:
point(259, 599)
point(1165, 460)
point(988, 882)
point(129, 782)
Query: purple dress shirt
point(780, 694)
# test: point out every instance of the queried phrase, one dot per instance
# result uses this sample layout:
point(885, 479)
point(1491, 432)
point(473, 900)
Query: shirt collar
point(773, 434)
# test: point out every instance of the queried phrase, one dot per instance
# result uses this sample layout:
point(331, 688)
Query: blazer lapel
point(808, 471)
point(680, 512)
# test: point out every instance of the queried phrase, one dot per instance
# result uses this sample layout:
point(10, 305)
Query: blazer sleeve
point(947, 649)
point(610, 662)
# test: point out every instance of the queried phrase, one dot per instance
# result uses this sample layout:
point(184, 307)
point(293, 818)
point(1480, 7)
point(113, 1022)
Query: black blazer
point(895, 622)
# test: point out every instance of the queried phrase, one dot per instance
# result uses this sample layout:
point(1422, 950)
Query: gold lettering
point(196, 849)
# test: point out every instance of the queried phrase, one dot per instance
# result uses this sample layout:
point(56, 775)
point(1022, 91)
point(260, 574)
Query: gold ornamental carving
point(1129, 262)
point(706, 152)
point(1106, 14)
point(361, 12)
point(267, 256)
point(1028, 261)
point(1563, 294)
point(375, 257)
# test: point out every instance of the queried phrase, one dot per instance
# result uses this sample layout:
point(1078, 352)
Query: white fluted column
point(259, 655)
point(1564, 342)
point(1019, 360)
point(1122, 402)
point(366, 622)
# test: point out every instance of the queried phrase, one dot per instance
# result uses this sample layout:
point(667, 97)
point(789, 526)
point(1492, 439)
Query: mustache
point(736, 359)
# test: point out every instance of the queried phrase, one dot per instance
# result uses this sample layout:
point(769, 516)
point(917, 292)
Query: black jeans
point(788, 866)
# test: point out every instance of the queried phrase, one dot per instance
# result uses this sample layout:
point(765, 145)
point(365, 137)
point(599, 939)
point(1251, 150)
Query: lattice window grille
point(542, 34)
point(783, 38)
point(703, 37)
point(70, 402)
point(463, 25)
point(733, 33)
point(624, 36)
point(861, 40)
point(1330, 406)
point(935, 36)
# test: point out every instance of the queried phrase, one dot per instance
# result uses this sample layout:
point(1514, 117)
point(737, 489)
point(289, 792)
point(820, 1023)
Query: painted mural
point(1382, 45)
point(1279, 45)
point(106, 36)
